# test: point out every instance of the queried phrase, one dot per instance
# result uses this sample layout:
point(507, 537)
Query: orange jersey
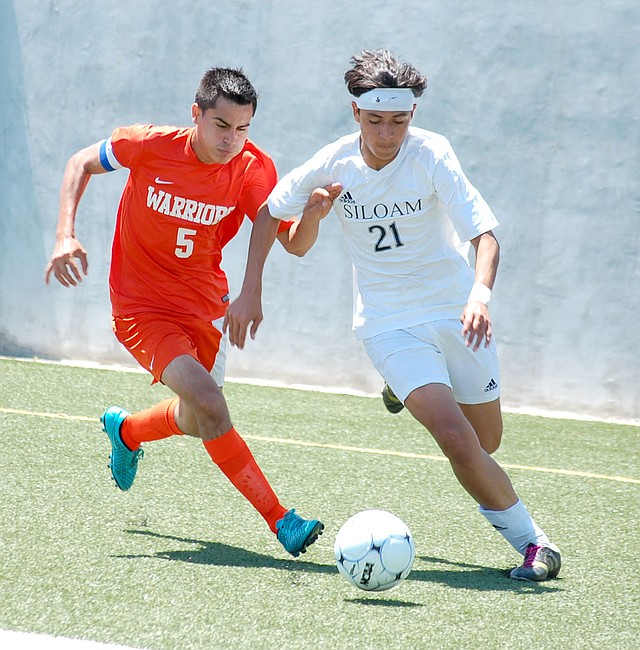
point(172, 221)
point(229, 228)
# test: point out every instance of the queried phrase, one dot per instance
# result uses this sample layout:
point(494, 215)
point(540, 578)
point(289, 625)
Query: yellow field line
point(360, 450)
point(55, 416)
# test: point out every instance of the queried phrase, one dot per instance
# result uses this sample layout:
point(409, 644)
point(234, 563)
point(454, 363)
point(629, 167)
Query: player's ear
point(195, 112)
point(356, 112)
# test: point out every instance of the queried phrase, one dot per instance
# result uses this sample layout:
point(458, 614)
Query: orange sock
point(231, 454)
point(154, 423)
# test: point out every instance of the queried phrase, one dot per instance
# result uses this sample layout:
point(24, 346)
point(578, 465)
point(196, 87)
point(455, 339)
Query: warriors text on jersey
point(406, 225)
point(175, 215)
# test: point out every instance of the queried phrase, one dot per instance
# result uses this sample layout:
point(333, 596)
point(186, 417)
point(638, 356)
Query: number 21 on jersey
point(386, 239)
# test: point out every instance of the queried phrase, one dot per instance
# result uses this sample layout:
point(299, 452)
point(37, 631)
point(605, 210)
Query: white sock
point(517, 526)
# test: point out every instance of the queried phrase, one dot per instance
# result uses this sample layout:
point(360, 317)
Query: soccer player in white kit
point(410, 217)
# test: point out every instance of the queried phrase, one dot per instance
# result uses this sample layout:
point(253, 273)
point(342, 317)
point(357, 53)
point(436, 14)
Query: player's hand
point(320, 201)
point(242, 312)
point(63, 263)
point(476, 324)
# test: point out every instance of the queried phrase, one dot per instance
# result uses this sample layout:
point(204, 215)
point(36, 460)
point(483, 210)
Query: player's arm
point(247, 308)
point(476, 322)
point(79, 169)
point(303, 234)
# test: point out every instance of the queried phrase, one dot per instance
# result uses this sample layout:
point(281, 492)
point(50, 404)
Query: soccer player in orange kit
point(187, 193)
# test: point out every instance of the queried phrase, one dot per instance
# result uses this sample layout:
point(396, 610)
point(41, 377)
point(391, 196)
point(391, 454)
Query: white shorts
point(435, 353)
point(217, 372)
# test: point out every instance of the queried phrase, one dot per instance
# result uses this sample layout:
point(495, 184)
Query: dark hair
point(229, 83)
point(380, 69)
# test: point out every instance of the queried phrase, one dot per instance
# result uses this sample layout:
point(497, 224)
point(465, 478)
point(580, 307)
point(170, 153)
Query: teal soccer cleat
point(540, 563)
point(123, 462)
point(296, 533)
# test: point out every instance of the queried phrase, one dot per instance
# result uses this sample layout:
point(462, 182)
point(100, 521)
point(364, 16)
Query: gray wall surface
point(540, 101)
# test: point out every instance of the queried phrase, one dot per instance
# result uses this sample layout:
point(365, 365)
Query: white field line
point(10, 640)
point(359, 450)
point(336, 390)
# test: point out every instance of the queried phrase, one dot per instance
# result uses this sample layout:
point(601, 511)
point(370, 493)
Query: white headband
point(386, 99)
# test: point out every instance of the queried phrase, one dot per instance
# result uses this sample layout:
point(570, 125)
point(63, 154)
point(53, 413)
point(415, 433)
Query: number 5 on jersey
point(184, 245)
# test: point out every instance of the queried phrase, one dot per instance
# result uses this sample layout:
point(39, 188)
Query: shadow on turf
point(382, 602)
point(217, 554)
point(477, 577)
point(462, 576)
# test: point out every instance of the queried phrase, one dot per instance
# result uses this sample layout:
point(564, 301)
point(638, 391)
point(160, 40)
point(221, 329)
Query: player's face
point(381, 134)
point(221, 131)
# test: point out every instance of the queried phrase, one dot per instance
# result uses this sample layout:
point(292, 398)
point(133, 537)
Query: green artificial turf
point(182, 561)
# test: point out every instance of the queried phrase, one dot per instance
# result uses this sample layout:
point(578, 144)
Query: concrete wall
point(540, 101)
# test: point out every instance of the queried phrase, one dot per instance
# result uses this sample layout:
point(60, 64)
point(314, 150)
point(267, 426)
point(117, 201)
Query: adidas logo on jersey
point(346, 198)
point(492, 385)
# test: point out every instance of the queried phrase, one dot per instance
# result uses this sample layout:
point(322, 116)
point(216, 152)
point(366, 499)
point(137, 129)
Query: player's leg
point(413, 362)
point(475, 380)
point(414, 365)
point(486, 420)
point(202, 402)
point(186, 417)
point(153, 342)
point(435, 408)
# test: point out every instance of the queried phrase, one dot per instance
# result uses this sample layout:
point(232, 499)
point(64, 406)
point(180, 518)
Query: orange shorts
point(155, 341)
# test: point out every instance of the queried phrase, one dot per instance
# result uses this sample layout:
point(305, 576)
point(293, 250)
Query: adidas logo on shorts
point(492, 385)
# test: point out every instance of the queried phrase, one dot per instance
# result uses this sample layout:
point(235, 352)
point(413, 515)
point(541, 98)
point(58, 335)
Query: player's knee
point(459, 445)
point(212, 416)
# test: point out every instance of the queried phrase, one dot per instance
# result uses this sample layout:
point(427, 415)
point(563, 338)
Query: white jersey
point(405, 225)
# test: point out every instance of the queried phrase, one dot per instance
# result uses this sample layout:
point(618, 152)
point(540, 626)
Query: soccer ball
point(374, 550)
